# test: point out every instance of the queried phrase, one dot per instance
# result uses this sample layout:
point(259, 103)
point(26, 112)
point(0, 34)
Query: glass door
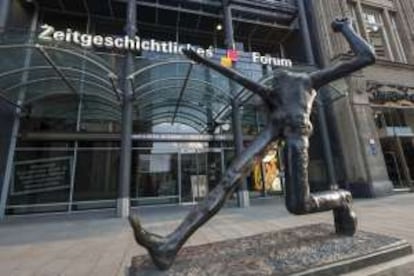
point(194, 184)
point(201, 170)
point(154, 178)
point(215, 167)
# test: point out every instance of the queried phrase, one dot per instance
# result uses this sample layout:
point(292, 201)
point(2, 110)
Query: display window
point(266, 173)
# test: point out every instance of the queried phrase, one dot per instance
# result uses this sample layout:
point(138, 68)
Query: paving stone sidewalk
point(99, 244)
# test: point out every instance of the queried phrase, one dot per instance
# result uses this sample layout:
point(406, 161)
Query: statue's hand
point(192, 55)
point(339, 23)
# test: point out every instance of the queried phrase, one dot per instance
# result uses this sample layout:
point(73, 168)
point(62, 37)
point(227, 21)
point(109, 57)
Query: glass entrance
point(154, 178)
point(200, 172)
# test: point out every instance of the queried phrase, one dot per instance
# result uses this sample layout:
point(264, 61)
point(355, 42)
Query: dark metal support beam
point(177, 26)
point(127, 112)
point(275, 17)
point(197, 25)
point(180, 96)
point(228, 25)
point(111, 10)
point(243, 194)
point(4, 192)
point(271, 13)
point(86, 6)
point(61, 5)
point(117, 91)
point(304, 29)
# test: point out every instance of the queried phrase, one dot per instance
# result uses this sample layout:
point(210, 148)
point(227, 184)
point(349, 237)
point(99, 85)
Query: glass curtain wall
point(62, 177)
point(42, 180)
point(75, 100)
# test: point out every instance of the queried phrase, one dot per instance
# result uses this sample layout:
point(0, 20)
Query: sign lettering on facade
point(390, 95)
point(49, 34)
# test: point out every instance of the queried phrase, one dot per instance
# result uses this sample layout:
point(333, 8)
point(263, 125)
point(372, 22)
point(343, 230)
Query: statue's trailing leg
point(300, 201)
point(164, 249)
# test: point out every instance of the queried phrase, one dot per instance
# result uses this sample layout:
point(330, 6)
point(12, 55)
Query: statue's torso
point(290, 101)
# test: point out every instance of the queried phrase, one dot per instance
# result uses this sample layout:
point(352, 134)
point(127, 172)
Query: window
point(394, 117)
point(400, 50)
point(380, 31)
point(353, 16)
point(377, 35)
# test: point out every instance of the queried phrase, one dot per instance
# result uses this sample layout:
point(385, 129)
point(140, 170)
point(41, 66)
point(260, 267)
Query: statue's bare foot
point(345, 221)
point(162, 253)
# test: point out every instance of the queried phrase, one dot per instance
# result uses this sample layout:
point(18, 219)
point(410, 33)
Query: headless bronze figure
point(289, 101)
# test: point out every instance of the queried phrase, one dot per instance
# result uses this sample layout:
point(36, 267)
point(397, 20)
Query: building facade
point(374, 124)
point(99, 109)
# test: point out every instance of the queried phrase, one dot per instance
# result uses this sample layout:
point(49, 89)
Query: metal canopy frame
point(91, 83)
point(220, 98)
point(183, 97)
point(138, 95)
point(184, 92)
point(98, 82)
point(57, 69)
point(4, 99)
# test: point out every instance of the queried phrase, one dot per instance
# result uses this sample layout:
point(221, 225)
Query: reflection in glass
point(154, 178)
point(194, 176)
point(40, 182)
point(96, 177)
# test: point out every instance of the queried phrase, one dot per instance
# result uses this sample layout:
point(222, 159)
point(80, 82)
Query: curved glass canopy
point(56, 81)
point(67, 83)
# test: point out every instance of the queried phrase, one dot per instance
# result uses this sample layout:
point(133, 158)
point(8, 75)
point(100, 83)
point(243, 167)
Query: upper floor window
point(376, 32)
point(381, 31)
point(353, 16)
point(400, 50)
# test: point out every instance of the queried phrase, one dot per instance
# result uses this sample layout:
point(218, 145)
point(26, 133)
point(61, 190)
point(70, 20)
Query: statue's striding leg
point(300, 201)
point(164, 249)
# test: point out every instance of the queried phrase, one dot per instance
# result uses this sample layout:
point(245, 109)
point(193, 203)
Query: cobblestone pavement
point(98, 244)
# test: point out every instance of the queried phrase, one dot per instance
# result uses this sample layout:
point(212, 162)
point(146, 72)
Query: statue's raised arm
point(365, 56)
point(253, 86)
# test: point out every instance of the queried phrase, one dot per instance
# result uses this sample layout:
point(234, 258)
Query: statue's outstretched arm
point(365, 56)
point(256, 88)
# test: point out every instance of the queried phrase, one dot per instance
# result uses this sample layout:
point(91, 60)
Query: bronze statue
point(289, 101)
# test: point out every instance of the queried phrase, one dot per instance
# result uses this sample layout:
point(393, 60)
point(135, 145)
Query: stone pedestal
point(306, 250)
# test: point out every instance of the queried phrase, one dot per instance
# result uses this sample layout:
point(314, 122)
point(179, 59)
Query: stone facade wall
point(365, 169)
